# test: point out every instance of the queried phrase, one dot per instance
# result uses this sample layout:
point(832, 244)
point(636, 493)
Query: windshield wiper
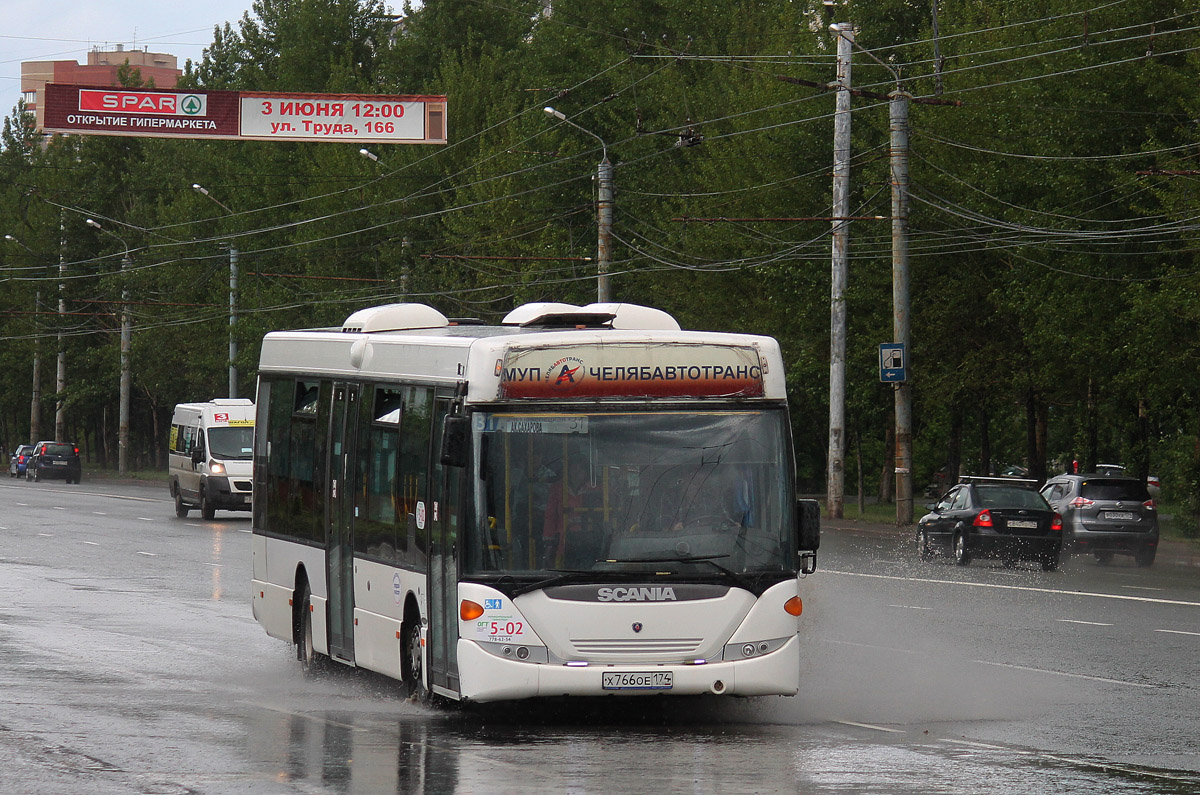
point(563, 576)
point(709, 559)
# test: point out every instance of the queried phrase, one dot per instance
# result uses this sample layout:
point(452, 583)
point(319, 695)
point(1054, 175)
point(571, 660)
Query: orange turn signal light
point(794, 606)
point(469, 611)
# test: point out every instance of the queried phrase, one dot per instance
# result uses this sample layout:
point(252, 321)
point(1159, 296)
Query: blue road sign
point(893, 367)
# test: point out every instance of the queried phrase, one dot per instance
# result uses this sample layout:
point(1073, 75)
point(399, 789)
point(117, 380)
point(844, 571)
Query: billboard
point(245, 115)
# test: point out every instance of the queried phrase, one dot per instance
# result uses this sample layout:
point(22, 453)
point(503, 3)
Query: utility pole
point(126, 349)
point(604, 210)
point(898, 118)
point(837, 297)
point(233, 288)
point(233, 283)
point(35, 403)
point(60, 379)
point(126, 379)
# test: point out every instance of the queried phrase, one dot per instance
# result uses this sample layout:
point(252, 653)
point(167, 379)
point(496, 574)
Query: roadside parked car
point(54, 460)
point(1153, 485)
point(20, 457)
point(1002, 518)
point(1105, 515)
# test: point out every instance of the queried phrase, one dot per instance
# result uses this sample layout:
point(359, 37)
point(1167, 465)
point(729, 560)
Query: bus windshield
point(235, 443)
point(607, 495)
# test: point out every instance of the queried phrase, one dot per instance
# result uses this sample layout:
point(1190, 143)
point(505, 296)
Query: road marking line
point(1062, 673)
point(58, 507)
point(149, 554)
point(871, 646)
point(869, 726)
point(1028, 588)
point(1077, 621)
point(194, 524)
point(146, 519)
point(91, 543)
point(45, 535)
point(1178, 632)
point(99, 513)
point(1141, 588)
point(911, 607)
point(985, 746)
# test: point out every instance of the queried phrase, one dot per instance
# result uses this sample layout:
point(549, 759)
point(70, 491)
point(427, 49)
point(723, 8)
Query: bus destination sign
point(631, 370)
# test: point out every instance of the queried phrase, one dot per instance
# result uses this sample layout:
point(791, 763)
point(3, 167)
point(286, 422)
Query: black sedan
point(54, 460)
point(992, 517)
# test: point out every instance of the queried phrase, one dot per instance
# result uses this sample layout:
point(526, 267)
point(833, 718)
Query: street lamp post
point(126, 345)
point(35, 402)
point(604, 211)
point(233, 288)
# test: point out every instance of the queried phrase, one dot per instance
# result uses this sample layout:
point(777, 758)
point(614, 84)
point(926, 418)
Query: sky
point(63, 30)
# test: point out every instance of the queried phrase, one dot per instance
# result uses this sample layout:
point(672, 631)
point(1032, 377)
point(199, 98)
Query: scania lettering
point(577, 501)
point(635, 595)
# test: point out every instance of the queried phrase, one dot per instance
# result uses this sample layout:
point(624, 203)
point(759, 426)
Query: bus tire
point(414, 659)
point(206, 508)
point(311, 661)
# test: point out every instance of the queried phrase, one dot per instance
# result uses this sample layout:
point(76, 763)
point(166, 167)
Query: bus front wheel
point(311, 660)
point(414, 659)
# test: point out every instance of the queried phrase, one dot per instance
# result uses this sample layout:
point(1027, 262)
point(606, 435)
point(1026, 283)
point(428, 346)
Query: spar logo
point(566, 373)
point(158, 103)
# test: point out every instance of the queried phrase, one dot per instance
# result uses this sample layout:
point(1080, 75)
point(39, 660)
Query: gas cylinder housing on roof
point(394, 317)
point(611, 315)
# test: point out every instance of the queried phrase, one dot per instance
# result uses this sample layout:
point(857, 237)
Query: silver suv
point(1105, 515)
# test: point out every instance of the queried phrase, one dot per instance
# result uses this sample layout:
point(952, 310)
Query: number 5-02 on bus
point(578, 501)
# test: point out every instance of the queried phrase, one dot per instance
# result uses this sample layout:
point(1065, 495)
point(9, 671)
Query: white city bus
point(580, 501)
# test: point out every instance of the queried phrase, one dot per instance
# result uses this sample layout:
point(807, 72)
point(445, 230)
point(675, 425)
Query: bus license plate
point(1120, 515)
point(637, 680)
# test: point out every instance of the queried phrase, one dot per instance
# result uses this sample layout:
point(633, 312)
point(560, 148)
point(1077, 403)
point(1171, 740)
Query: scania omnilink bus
point(579, 501)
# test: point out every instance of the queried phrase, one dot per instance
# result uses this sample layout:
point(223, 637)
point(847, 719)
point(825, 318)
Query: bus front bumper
point(486, 677)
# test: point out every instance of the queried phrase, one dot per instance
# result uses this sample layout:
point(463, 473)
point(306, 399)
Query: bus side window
point(379, 531)
point(415, 426)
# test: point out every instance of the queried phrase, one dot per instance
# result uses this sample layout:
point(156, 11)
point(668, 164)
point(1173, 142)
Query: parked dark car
point(54, 460)
point(992, 517)
point(20, 458)
point(1105, 515)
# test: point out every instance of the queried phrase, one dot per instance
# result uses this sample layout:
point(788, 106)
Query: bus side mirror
point(198, 455)
point(808, 522)
point(456, 431)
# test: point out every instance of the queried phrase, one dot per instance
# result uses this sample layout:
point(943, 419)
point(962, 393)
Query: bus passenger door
point(445, 490)
point(343, 421)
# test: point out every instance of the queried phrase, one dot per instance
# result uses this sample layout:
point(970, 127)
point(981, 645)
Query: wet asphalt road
point(130, 663)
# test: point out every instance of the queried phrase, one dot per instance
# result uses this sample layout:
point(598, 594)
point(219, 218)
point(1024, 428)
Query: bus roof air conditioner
point(394, 317)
